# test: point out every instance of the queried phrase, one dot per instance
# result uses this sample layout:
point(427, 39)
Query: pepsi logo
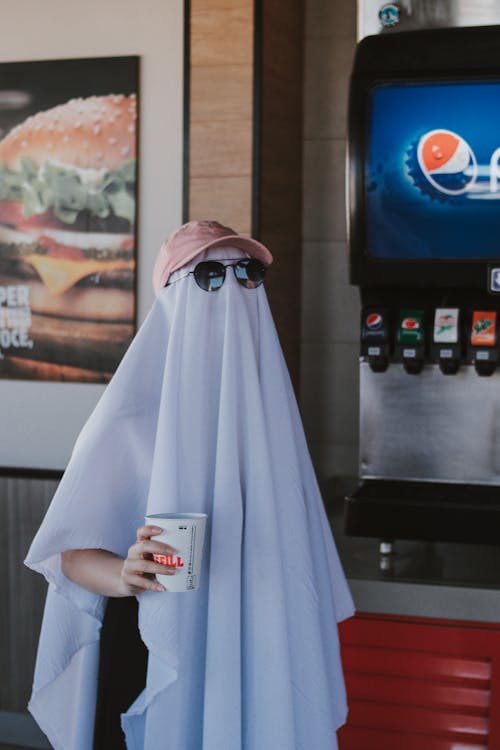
point(447, 162)
point(374, 321)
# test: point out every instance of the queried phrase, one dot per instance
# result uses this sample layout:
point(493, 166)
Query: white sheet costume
point(200, 417)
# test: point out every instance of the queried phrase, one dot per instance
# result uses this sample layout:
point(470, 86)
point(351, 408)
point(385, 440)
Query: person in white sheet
point(199, 417)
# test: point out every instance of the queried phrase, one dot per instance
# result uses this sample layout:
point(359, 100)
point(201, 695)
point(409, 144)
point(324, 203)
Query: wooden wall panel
point(221, 32)
point(280, 194)
point(211, 102)
point(220, 149)
point(221, 112)
point(249, 174)
point(233, 195)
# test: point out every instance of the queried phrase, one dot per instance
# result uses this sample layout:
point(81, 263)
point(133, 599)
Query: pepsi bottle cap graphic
point(442, 165)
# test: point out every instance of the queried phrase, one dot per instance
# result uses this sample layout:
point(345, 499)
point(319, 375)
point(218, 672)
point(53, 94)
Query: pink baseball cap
point(195, 237)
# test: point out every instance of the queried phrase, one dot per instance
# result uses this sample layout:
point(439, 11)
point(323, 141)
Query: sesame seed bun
point(87, 133)
point(67, 224)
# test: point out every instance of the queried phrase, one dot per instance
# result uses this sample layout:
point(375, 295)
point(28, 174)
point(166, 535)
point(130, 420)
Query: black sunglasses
point(210, 274)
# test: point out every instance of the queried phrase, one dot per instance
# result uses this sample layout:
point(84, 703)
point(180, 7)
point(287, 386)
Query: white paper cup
point(185, 533)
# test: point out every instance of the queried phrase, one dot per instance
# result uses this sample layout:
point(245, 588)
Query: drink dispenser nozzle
point(446, 349)
point(483, 344)
point(375, 338)
point(410, 340)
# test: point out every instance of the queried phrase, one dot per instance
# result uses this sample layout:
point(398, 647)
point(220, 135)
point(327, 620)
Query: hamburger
point(67, 209)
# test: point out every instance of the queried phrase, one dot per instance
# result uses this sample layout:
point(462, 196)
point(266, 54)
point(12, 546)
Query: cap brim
point(247, 244)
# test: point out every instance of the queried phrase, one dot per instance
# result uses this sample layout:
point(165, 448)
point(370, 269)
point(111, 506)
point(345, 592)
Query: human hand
point(139, 569)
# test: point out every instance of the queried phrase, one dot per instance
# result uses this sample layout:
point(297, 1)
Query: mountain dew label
point(411, 327)
point(483, 331)
point(446, 325)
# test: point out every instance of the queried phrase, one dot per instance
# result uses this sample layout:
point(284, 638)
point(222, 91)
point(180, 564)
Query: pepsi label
point(374, 321)
point(374, 326)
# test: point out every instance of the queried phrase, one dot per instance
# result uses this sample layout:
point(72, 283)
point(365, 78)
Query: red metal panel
point(395, 717)
point(371, 739)
point(494, 743)
point(421, 683)
point(416, 664)
point(416, 693)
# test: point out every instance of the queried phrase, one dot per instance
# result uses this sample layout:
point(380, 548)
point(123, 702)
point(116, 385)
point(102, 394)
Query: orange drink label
point(483, 331)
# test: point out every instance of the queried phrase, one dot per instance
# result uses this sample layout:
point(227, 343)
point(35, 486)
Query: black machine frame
point(404, 509)
point(435, 55)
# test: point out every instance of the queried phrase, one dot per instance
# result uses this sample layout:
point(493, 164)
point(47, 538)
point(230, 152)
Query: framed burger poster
point(68, 217)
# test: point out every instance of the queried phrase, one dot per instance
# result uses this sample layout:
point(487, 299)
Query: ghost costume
point(200, 417)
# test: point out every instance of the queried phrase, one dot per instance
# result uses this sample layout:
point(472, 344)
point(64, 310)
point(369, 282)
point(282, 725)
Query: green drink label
point(411, 327)
point(446, 325)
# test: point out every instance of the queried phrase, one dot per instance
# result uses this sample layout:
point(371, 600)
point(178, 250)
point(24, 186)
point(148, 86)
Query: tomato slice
point(11, 212)
point(56, 249)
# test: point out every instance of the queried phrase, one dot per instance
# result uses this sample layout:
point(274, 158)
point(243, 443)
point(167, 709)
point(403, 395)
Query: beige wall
point(154, 30)
point(330, 307)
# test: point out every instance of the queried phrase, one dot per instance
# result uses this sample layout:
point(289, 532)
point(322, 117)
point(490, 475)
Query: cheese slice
point(60, 274)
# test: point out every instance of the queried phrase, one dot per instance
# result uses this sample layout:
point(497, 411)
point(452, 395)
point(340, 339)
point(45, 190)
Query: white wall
point(53, 29)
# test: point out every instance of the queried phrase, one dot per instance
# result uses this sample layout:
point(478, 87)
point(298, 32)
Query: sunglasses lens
point(250, 273)
point(209, 275)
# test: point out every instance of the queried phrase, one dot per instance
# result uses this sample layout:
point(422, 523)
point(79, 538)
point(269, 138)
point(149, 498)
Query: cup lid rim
point(174, 516)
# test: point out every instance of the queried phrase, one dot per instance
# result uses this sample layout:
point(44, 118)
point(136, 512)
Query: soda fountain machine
point(424, 243)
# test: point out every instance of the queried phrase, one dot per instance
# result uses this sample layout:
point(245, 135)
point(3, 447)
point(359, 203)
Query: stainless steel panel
point(430, 426)
point(422, 600)
point(426, 14)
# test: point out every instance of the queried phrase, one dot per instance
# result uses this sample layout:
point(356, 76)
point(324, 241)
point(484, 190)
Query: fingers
point(139, 568)
point(139, 574)
point(147, 567)
point(145, 532)
point(149, 547)
point(137, 584)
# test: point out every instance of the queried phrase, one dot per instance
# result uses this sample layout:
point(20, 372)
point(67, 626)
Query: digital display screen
point(432, 173)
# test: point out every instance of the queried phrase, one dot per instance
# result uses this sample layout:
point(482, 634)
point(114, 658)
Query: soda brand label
point(374, 321)
point(374, 326)
point(446, 325)
point(411, 329)
point(483, 330)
